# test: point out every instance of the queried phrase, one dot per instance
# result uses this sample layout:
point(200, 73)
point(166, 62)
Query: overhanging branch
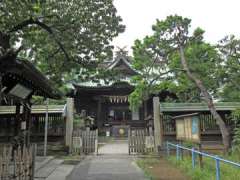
point(32, 21)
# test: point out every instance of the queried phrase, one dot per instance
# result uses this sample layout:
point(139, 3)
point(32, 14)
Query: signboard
point(187, 128)
point(20, 91)
point(180, 129)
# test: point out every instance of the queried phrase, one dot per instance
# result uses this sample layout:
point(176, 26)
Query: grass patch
point(146, 164)
point(227, 171)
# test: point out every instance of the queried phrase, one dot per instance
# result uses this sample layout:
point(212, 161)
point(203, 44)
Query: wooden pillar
point(29, 124)
point(99, 110)
point(157, 123)
point(69, 123)
point(145, 109)
point(25, 123)
point(17, 119)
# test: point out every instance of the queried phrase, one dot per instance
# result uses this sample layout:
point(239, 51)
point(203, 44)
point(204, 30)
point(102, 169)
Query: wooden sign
point(188, 128)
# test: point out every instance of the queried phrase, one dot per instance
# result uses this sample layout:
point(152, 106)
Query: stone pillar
point(69, 122)
point(157, 123)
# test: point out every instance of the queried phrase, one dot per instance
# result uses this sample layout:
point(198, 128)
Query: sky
point(217, 17)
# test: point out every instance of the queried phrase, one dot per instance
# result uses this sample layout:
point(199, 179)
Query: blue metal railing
point(194, 152)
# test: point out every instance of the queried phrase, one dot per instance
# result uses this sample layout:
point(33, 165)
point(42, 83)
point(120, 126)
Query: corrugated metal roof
point(192, 107)
point(37, 109)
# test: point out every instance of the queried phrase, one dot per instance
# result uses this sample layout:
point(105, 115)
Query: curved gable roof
point(122, 63)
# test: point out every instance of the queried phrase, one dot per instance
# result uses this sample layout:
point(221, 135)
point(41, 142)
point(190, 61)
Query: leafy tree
point(229, 71)
point(236, 138)
point(60, 37)
point(171, 52)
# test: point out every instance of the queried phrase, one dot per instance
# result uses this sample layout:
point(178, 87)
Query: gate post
point(69, 123)
point(157, 123)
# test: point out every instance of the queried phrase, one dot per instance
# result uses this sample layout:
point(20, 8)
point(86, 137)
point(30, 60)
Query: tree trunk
point(208, 99)
point(4, 41)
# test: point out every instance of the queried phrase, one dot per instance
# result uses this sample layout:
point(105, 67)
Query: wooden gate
point(85, 142)
point(140, 141)
point(17, 164)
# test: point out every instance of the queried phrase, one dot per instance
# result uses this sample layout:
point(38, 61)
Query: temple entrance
point(114, 147)
point(118, 118)
point(119, 114)
point(138, 141)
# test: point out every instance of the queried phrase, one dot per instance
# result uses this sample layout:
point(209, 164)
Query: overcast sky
point(217, 17)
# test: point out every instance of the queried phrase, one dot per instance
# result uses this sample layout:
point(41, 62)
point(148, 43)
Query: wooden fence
point(85, 142)
point(207, 123)
point(140, 141)
point(56, 124)
point(17, 164)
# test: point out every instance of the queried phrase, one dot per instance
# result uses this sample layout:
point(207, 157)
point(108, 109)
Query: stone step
point(40, 161)
point(61, 172)
point(47, 169)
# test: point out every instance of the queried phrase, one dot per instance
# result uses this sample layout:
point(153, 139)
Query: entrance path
point(115, 147)
point(111, 167)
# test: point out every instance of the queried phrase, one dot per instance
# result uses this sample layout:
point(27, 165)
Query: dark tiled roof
point(22, 71)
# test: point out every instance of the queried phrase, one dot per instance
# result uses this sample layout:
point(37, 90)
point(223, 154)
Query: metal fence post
point(193, 158)
point(217, 168)
point(177, 152)
point(168, 153)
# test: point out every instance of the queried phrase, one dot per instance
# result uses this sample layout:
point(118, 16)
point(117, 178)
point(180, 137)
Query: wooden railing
point(140, 141)
point(17, 164)
point(85, 142)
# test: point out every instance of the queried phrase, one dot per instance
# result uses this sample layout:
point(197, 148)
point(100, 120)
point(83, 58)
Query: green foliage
point(236, 141)
point(236, 138)
point(229, 73)
point(202, 57)
point(145, 163)
point(78, 121)
point(62, 38)
point(157, 58)
point(37, 100)
point(228, 172)
point(139, 94)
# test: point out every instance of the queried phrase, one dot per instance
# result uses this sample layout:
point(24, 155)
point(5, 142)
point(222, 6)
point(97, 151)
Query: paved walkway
point(107, 167)
point(48, 168)
point(112, 163)
point(116, 147)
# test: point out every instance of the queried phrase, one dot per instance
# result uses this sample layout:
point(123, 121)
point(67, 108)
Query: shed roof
point(195, 107)
point(16, 71)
